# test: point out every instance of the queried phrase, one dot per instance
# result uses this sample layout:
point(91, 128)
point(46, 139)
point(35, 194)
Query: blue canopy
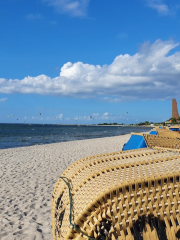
point(174, 129)
point(135, 142)
point(153, 133)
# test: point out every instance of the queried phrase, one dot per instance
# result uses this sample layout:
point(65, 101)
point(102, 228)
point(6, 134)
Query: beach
point(28, 176)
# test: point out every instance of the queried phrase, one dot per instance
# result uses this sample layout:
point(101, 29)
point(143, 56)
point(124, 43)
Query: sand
point(27, 179)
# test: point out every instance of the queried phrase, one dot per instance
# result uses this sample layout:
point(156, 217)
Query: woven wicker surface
point(168, 133)
point(115, 190)
point(158, 141)
point(169, 149)
point(89, 165)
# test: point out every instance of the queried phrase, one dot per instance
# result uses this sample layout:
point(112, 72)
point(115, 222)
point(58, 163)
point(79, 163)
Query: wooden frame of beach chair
point(112, 194)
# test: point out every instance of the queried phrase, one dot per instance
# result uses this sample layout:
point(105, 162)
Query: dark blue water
point(19, 135)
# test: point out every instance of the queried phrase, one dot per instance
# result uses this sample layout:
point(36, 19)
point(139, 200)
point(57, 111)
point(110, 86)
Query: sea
point(23, 135)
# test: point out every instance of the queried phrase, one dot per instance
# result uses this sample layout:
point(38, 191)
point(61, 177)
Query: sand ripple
point(27, 179)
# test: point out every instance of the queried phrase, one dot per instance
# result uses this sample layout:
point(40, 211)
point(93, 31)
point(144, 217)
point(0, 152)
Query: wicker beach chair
point(159, 141)
point(124, 195)
point(140, 140)
point(168, 133)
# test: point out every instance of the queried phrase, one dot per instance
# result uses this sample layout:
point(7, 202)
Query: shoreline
point(28, 176)
point(25, 135)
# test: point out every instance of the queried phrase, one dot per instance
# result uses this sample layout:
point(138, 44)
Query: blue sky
point(88, 61)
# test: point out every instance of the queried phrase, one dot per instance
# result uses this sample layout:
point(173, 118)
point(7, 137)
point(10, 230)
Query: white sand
point(27, 179)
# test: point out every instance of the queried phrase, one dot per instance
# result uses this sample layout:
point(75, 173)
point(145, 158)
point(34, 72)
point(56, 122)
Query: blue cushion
point(174, 129)
point(135, 142)
point(153, 133)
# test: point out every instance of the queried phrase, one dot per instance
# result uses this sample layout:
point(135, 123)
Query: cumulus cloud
point(78, 118)
point(152, 73)
point(106, 114)
point(3, 99)
point(72, 7)
point(60, 116)
point(95, 114)
point(162, 8)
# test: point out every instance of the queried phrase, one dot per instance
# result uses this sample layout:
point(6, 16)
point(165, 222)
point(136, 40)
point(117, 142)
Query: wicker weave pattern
point(119, 188)
point(122, 210)
point(75, 166)
point(158, 141)
point(169, 149)
point(85, 170)
point(168, 133)
point(88, 163)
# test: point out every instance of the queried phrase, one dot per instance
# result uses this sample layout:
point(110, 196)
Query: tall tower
point(174, 109)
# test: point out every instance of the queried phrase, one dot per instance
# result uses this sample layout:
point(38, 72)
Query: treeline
point(138, 124)
point(110, 124)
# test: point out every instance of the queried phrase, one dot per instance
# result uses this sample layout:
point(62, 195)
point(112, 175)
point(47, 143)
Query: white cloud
point(152, 73)
point(33, 16)
point(60, 116)
point(162, 8)
point(71, 7)
point(105, 116)
point(3, 99)
point(95, 114)
point(77, 118)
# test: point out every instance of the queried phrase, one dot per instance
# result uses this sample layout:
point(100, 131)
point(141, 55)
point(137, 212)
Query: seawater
point(20, 135)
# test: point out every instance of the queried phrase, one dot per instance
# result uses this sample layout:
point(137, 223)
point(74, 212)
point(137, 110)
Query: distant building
point(175, 113)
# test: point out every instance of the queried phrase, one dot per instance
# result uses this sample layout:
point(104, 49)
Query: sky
point(89, 61)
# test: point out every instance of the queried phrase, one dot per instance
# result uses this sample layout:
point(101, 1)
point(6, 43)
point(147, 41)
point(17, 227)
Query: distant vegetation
point(146, 123)
point(138, 124)
point(110, 124)
point(174, 120)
